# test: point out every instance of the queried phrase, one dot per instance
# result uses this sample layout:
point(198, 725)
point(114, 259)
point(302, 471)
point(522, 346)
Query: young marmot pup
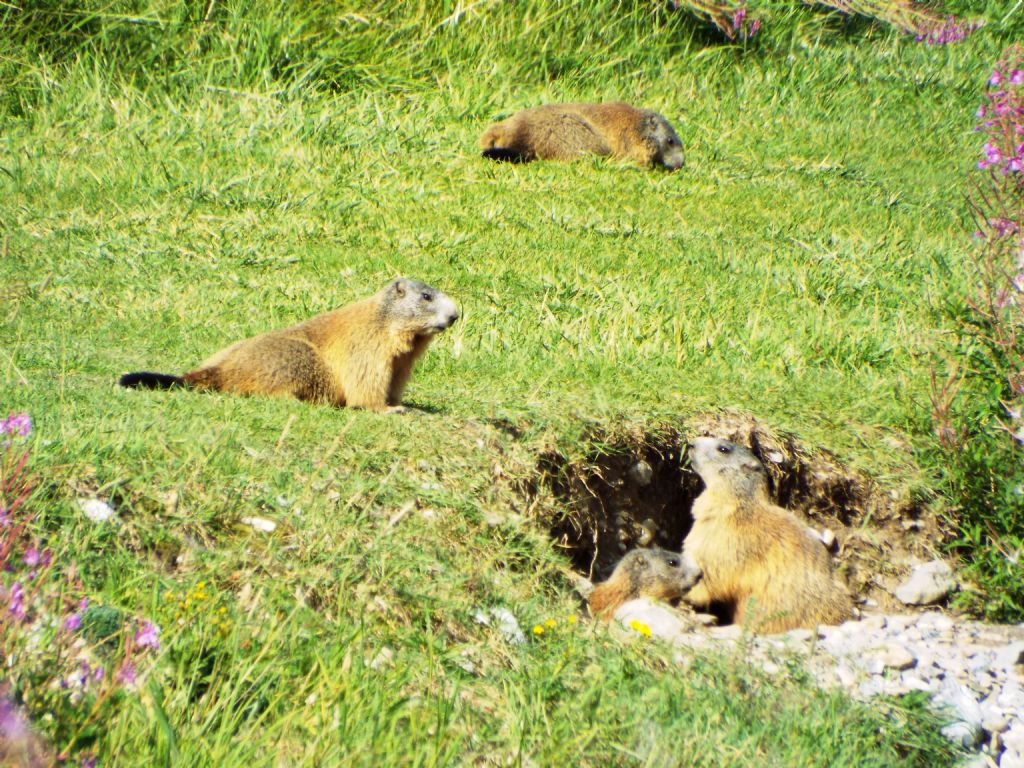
point(566, 131)
point(748, 549)
point(654, 573)
point(359, 356)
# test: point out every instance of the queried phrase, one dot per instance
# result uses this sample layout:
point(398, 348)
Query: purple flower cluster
point(43, 610)
point(950, 30)
point(1002, 120)
point(148, 636)
point(744, 27)
point(16, 424)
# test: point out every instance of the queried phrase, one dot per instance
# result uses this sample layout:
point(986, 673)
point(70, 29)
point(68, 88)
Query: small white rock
point(641, 473)
point(1009, 656)
point(507, 625)
point(928, 583)
point(1011, 759)
point(968, 735)
point(259, 523)
point(97, 510)
point(663, 621)
point(384, 658)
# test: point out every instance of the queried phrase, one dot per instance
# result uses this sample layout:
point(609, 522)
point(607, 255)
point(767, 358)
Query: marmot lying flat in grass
point(566, 131)
point(654, 573)
point(749, 549)
point(359, 356)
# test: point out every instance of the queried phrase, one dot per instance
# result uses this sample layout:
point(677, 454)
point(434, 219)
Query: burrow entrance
point(635, 489)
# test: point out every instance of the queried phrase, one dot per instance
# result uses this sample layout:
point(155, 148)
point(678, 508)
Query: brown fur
point(566, 131)
point(360, 356)
point(756, 557)
point(654, 573)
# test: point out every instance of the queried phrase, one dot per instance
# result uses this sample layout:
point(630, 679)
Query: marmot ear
point(399, 287)
point(753, 465)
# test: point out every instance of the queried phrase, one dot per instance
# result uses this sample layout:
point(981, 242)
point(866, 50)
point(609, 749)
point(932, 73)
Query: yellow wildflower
point(640, 627)
point(550, 623)
point(538, 629)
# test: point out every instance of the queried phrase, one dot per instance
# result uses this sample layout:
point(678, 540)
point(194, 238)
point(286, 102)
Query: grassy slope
point(792, 269)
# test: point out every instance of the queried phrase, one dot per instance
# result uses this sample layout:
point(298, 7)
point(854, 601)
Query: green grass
point(167, 187)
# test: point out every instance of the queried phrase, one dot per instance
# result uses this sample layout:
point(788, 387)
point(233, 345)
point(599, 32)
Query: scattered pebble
point(641, 473)
point(384, 658)
point(503, 621)
point(928, 583)
point(97, 510)
point(259, 523)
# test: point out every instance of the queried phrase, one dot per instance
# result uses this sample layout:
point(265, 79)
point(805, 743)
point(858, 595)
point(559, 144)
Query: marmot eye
point(725, 448)
point(673, 562)
point(426, 296)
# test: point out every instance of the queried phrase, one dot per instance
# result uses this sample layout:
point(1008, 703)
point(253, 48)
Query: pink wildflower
point(16, 602)
point(148, 636)
point(127, 673)
point(16, 423)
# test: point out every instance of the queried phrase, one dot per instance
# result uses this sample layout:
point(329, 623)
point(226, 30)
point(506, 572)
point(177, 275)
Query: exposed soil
point(610, 502)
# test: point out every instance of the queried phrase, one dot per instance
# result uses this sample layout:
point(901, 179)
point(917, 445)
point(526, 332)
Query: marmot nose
point(452, 318)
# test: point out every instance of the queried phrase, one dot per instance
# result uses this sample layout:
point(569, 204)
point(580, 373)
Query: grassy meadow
point(178, 175)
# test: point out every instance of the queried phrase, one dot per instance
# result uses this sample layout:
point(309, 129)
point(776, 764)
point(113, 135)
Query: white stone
point(384, 658)
point(1011, 759)
point(928, 583)
point(965, 734)
point(641, 473)
point(962, 701)
point(1013, 739)
point(1011, 698)
point(935, 619)
point(1009, 656)
point(504, 622)
point(828, 538)
point(663, 621)
point(97, 510)
point(896, 656)
point(994, 723)
point(799, 635)
point(847, 677)
point(259, 523)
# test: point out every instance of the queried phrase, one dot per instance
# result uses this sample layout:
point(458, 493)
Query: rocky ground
point(972, 671)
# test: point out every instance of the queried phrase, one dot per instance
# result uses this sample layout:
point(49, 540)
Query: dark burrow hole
point(635, 489)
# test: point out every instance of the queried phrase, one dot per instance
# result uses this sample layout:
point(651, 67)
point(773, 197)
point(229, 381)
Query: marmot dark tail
point(500, 153)
point(147, 380)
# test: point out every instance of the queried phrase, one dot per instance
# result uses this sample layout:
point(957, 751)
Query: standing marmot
point(360, 355)
point(655, 573)
point(748, 548)
point(566, 131)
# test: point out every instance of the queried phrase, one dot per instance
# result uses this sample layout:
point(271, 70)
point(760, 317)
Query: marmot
point(359, 356)
point(655, 573)
point(749, 549)
point(566, 131)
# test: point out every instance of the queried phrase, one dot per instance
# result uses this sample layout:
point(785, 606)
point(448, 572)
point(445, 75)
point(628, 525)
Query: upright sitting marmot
point(655, 573)
point(749, 549)
point(566, 131)
point(360, 355)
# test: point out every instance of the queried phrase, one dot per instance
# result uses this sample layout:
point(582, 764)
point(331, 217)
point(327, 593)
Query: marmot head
point(410, 305)
point(658, 573)
point(724, 464)
point(662, 142)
